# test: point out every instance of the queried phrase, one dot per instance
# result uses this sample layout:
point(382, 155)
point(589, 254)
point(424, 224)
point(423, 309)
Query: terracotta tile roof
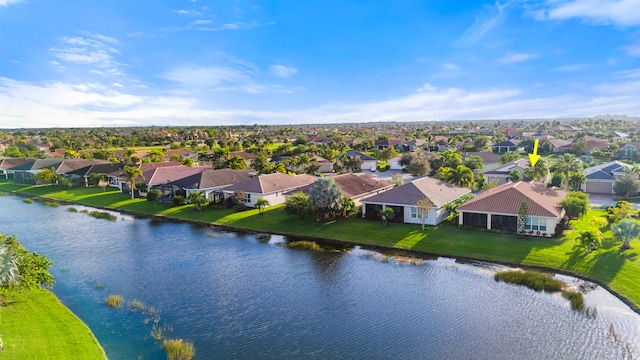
point(506, 199)
point(269, 183)
point(354, 185)
point(437, 191)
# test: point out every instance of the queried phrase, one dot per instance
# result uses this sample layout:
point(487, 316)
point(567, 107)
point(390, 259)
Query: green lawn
point(37, 326)
point(620, 271)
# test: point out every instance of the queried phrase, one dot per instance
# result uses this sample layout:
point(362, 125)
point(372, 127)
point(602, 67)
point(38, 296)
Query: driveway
point(601, 200)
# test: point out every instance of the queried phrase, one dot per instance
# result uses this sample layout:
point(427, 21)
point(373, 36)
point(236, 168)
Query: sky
point(205, 63)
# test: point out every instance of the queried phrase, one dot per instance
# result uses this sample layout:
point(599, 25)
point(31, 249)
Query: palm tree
point(576, 179)
point(461, 176)
point(515, 175)
point(131, 173)
point(539, 171)
point(565, 165)
point(261, 203)
point(625, 231)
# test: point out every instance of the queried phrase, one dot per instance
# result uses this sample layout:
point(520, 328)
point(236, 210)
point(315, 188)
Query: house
point(498, 208)
point(209, 182)
point(117, 179)
point(490, 161)
point(324, 165)
point(355, 186)
point(593, 143)
point(411, 145)
point(394, 163)
point(368, 162)
point(270, 187)
point(500, 175)
point(506, 146)
point(600, 178)
point(560, 146)
point(403, 198)
point(6, 163)
point(382, 144)
point(81, 176)
point(25, 173)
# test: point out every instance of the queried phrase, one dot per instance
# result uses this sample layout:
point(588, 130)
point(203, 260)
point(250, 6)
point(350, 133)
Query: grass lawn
point(620, 271)
point(37, 326)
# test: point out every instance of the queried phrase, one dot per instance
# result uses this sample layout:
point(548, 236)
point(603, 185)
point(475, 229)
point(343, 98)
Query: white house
point(271, 187)
point(600, 178)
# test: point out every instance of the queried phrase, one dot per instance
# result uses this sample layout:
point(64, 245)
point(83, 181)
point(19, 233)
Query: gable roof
point(97, 169)
point(509, 142)
point(213, 178)
point(61, 166)
point(437, 191)
point(269, 183)
point(354, 185)
point(167, 174)
point(506, 199)
point(7, 162)
point(147, 166)
point(504, 169)
point(606, 171)
point(363, 157)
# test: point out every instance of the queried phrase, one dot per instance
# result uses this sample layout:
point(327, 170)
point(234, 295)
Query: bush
point(103, 215)
point(27, 201)
point(303, 245)
point(154, 195)
point(179, 200)
point(240, 207)
point(178, 349)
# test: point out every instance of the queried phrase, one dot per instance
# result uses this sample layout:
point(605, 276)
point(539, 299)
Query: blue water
point(238, 298)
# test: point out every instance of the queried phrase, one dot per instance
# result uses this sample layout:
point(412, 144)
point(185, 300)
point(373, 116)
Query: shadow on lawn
point(606, 265)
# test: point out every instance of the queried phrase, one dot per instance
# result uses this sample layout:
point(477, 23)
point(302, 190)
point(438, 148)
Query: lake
point(237, 297)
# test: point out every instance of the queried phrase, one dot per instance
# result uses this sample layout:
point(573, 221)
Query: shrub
point(51, 203)
point(27, 201)
point(136, 305)
point(303, 245)
point(178, 349)
point(103, 215)
point(72, 209)
point(240, 207)
point(154, 195)
point(179, 200)
point(115, 300)
point(531, 279)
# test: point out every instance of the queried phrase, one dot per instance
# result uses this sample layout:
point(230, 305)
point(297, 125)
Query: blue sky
point(196, 62)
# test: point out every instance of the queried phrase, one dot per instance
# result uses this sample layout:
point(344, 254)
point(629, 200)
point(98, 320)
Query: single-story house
point(368, 162)
point(403, 199)
point(355, 186)
point(500, 175)
point(506, 146)
point(25, 173)
point(600, 178)
point(270, 187)
point(81, 176)
point(394, 163)
point(498, 208)
point(210, 181)
point(7, 162)
point(596, 143)
point(490, 161)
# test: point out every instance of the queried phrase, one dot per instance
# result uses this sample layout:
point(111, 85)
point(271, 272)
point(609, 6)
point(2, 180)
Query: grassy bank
point(620, 271)
point(36, 325)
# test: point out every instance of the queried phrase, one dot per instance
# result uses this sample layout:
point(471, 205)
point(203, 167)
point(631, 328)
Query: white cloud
point(89, 105)
point(633, 50)
point(617, 12)
point(282, 71)
point(201, 22)
point(450, 66)
point(491, 17)
point(95, 50)
point(8, 2)
point(571, 67)
point(516, 58)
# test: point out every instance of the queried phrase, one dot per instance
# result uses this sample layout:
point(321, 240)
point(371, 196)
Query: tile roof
point(506, 199)
point(214, 178)
point(354, 185)
point(437, 191)
point(7, 162)
point(167, 174)
point(269, 183)
point(363, 157)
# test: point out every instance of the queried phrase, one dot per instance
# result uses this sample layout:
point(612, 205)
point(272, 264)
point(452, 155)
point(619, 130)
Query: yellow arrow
point(533, 158)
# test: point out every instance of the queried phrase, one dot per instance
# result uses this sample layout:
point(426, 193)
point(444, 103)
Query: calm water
point(238, 298)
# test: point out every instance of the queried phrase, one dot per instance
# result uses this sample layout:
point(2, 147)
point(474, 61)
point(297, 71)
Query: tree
point(297, 204)
point(187, 162)
point(325, 198)
point(538, 172)
point(386, 215)
point(9, 274)
point(47, 176)
point(33, 269)
point(565, 165)
point(621, 211)
point(132, 173)
point(625, 231)
point(515, 175)
point(198, 200)
point(626, 185)
point(523, 214)
point(237, 162)
point(419, 166)
point(261, 203)
point(155, 155)
point(576, 180)
point(507, 158)
point(461, 176)
point(480, 143)
point(386, 153)
point(396, 179)
point(575, 204)
point(406, 159)
point(423, 206)
point(589, 239)
point(71, 154)
point(473, 162)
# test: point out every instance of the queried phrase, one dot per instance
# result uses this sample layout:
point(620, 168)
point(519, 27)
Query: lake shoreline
point(329, 241)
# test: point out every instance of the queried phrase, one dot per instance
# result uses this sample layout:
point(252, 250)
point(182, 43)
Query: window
point(415, 213)
point(248, 199)
point(535, 224)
